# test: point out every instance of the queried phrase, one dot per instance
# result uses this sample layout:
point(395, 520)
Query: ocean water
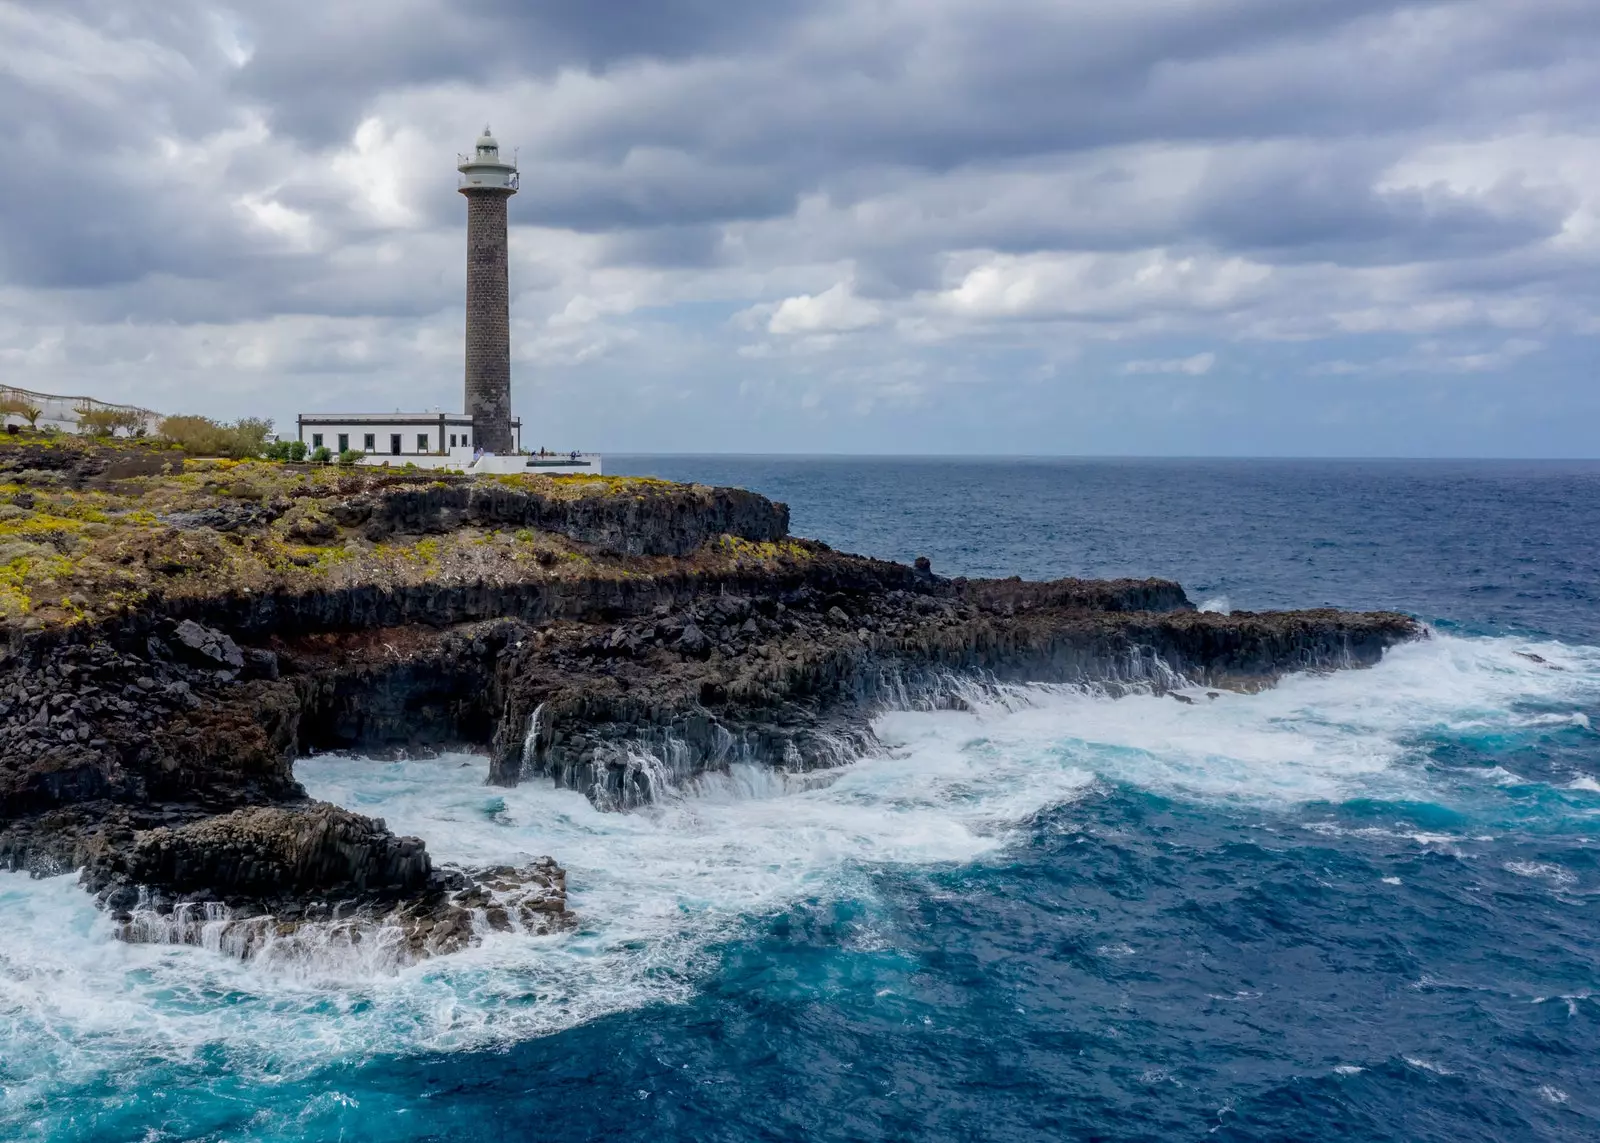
point(1358, 906)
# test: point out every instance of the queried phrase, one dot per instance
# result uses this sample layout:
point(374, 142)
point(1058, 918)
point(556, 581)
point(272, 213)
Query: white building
point(431, 440)
point(390, 435)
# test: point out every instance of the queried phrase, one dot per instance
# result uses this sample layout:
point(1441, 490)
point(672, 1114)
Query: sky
point(1079, 227)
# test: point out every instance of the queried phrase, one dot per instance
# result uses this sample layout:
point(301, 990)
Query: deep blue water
point(1499, 545)
point(1362, 907)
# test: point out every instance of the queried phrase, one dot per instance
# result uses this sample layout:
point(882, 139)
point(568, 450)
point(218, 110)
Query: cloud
point(1439, 356)
point(1091, 287)
point(806, 197)
point(835, 310)
point(1197, 366)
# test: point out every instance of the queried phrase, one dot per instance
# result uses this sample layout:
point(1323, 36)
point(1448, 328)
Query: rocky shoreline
point(616, 637)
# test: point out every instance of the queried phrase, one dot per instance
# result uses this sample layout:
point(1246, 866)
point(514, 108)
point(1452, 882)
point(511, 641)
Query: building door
point(344, 442)
point(394, 444)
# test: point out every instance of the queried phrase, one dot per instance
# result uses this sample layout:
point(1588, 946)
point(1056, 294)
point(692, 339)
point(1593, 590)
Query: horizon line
point(1102, 456)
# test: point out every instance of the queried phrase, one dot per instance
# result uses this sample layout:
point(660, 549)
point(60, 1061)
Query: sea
point(1357, 906)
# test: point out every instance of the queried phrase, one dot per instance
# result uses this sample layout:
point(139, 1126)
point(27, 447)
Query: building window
point(394, 444)
point(422, 442)
point(370, 442)
point(344, 442)
point(316, 440)
point(452, 440)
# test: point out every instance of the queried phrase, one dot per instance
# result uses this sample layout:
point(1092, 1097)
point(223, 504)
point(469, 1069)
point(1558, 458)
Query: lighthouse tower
point(483, 438)
point(488, 181)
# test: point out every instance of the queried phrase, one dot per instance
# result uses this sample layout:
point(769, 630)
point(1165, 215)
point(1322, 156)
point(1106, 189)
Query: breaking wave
point(658, 889)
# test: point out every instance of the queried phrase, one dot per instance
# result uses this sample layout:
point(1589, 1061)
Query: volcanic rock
point(207, 647)
point(616, 636)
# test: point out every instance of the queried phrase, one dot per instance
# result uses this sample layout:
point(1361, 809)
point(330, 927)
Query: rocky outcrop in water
point(452, 909)
point(792, 681)
point(267, 851)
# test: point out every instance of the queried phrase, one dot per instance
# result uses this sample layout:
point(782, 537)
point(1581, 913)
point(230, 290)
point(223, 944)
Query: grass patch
point(94, 528)
point(759, 549)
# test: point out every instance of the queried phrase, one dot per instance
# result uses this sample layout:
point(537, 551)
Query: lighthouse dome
point(487, 142)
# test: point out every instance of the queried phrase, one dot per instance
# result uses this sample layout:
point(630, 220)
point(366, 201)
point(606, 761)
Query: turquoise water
point(1357, 906)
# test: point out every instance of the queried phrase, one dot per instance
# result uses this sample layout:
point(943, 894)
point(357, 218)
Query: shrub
point(101, 421)
point(349, 456)
point(17, 407)
point(197, 436)
point(250, 436)
point(321, 455)
point(286, 450)
point(95, 422)
point(201, 436)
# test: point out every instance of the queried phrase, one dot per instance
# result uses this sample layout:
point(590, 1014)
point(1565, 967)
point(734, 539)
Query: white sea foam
point(1426, 1066)
point(657, 889)
point(1218, 604)
point(1543, 870)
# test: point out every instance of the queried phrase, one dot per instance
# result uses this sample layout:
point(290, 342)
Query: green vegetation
point(201, 436)
point(761, 549)
point(321, 455)
point(286, 450)
point(103, 421)
point(91, 527)
point(349, 456)
point(14, 406)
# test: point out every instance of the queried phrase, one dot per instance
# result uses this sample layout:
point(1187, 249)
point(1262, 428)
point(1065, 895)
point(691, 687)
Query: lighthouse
point(488, 181)
point(484, 438)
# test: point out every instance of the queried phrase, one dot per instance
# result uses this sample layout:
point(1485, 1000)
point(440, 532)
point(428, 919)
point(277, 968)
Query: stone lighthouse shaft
point(488, 181)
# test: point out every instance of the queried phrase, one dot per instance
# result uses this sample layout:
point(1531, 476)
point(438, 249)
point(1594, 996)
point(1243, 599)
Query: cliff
point(177, 632)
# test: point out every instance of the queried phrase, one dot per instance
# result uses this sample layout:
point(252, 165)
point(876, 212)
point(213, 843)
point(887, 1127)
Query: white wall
point(461, 460)
point(380, 433)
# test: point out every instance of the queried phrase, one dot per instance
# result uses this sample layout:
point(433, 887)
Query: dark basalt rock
point(795, 684)
point(451, 911)
point(225, 518)
point(267, 851)
point(84, 466)
point(207, 647)
point(155, 751)
point(693, 641)
point(669, 523)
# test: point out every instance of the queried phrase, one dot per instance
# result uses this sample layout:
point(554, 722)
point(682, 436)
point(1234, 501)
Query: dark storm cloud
point(1319, 206)
point(995, 83)
point(1002, 80)
point(87, 85)
point(317, 65)
point(661, 189)
point(674, 247)
point(195, 162)
point(771, 102)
